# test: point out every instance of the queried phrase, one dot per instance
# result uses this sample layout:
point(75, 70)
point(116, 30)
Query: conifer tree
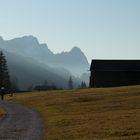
point(83, 85)
point(4, 74)
point(70, 83)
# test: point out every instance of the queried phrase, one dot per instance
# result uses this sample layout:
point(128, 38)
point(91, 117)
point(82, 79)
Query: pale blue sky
point(101, 28)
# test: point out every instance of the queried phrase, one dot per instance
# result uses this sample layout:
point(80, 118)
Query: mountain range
point(32, 63)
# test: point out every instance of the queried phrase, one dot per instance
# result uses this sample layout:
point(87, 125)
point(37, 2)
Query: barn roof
point(115, 65)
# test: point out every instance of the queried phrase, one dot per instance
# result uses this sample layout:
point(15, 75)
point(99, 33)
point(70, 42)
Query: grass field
point(90, 114)
point(2, 112)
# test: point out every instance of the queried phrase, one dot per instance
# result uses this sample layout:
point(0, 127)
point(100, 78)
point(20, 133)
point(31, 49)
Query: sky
point(108, 29)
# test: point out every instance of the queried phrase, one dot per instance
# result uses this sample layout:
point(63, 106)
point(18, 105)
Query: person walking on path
point(2, 92)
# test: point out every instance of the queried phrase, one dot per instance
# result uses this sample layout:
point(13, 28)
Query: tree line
point(8, 85)
point(71, 84)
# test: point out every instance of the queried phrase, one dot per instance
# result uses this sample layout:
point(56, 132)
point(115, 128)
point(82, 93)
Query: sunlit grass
point(90, 114)
point(2, 112)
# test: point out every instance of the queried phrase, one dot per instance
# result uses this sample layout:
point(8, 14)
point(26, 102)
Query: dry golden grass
point(2, 112)
point(90, 114)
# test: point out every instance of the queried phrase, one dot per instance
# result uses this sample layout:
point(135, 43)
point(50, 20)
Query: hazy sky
point(101, 28)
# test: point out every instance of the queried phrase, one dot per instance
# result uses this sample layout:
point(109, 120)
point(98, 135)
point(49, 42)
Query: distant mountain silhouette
point(28, 58)
point(75, 60)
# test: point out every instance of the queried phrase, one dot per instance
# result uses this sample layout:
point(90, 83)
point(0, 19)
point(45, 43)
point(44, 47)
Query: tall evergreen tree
point(70, 83)
point(83, 85)
point(4, 74)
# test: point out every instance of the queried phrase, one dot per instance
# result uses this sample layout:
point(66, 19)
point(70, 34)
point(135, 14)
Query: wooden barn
point(111, 73)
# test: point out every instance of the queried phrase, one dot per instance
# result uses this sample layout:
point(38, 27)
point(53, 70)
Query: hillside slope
point(29, 73)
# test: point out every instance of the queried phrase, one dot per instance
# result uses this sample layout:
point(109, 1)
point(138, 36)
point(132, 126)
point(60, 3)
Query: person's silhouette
point(2, 92)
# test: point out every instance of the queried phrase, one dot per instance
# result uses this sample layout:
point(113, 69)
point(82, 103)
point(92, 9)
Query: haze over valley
point(31, 63)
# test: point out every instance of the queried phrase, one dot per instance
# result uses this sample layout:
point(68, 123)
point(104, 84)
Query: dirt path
point(20, 123)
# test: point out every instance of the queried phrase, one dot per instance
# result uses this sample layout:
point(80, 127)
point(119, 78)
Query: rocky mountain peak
point(26, 40)
point(28, 46)
point(30, 39)
point(76, 49)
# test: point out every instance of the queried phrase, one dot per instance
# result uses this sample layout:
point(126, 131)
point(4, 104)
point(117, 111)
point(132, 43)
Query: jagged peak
point(45, 46)
point(29, 38)
point(75, 49)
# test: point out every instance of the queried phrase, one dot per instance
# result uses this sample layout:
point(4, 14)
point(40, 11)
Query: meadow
point(2, 112)
point(88, 114)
